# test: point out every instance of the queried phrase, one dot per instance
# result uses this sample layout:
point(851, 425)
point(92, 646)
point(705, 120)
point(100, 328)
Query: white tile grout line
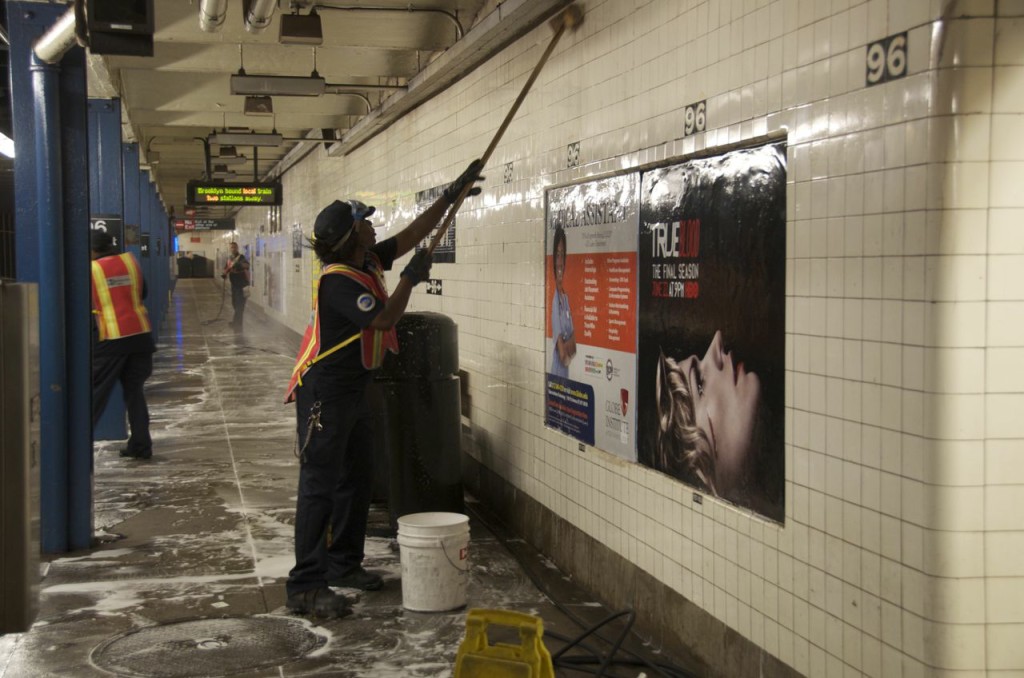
point(231, 450)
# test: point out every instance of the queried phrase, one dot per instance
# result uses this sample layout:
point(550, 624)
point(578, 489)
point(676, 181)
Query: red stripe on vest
point(373, 342)
point(124, 281)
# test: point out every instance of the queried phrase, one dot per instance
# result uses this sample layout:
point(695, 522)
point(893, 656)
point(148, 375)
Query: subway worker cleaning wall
point(122, 342)
point(352, 326)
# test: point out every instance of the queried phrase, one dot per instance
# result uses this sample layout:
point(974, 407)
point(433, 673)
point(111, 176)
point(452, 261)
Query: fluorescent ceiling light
point(6, 145)
point(246, 139)
point(277, 85)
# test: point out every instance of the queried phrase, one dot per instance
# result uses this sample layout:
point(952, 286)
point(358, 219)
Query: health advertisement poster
point(711, 346)
point(590, 299)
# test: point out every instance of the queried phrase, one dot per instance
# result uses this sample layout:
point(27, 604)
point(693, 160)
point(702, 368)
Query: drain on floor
point(208, 647)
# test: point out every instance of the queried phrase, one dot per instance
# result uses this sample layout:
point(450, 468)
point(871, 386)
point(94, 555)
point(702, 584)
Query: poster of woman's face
point(711, 360)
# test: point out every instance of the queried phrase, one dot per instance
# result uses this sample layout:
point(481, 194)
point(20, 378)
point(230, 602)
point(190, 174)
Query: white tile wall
point(902, 550)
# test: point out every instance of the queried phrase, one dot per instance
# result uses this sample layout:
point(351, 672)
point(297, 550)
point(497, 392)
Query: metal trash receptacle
point(422, 420)
point(19, 456)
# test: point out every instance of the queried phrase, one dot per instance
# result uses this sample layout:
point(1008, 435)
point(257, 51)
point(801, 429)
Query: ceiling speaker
point(259, 105)
point(297, 29)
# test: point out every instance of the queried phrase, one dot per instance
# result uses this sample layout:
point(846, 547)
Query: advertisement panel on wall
point(444, 253)
point(711, 347)
point(590, 298)
point(273, 281)
point(296, 241)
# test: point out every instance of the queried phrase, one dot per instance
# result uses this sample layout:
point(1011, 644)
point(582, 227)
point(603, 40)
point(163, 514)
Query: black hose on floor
point(223, 294)
point(591, 655)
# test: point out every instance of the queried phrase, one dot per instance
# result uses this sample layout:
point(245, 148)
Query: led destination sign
point(220, 193)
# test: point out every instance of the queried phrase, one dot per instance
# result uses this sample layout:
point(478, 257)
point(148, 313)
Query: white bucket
point(434, 548)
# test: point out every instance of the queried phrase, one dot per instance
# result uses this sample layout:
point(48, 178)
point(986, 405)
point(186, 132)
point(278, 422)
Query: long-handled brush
point(569, 18)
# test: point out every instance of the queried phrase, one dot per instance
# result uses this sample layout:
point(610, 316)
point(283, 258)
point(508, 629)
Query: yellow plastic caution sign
point(478, 658)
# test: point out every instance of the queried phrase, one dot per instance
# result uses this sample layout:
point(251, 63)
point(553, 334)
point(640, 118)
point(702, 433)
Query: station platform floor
point(192, 548)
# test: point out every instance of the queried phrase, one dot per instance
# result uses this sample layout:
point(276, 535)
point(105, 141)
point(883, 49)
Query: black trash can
point(419, 389)
point(184, 267)
point(201, 267)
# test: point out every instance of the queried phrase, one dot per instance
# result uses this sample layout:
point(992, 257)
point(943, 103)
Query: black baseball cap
point(334, 223)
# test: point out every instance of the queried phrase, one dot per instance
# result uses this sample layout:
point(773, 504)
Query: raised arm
point(415, 272)
point(422, 225)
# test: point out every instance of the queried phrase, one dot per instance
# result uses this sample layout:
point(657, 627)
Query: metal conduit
point(211, 14)
point(54, 43)
point(259, 15)
point(449, 15)
point(343, 87)
point(366, 99)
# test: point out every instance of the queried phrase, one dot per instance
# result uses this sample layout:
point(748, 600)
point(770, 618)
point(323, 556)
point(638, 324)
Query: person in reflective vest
point(351, 328)
point(123, 341)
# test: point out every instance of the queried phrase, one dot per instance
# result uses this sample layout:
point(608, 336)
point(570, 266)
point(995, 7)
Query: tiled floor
point(193, 547)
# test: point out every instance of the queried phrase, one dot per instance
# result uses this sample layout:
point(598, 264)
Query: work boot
point(321, 602)
point(358, 578)
point(134, 454)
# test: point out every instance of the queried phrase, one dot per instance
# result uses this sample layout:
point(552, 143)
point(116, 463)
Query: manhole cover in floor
point(208, 647)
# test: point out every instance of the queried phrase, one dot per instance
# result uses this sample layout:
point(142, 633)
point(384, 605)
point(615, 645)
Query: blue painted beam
point(51, 236)
point(106, 182)
point(77, 296)
point(106, 177)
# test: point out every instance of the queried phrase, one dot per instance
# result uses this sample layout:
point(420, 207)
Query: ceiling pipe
point(212, 14)
point(449, 15)
point(344, 87)
point(206, 154)
point(259, 15)
point(54, 43)
point(365, 99)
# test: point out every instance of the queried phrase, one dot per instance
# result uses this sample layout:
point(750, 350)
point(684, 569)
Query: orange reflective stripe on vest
point(374, 342)
point(117, 297)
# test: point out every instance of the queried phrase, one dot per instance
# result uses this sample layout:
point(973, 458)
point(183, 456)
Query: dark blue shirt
point(346, 308)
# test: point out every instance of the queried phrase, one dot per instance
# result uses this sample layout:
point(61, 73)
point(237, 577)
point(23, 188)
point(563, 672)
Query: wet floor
point(192, 548)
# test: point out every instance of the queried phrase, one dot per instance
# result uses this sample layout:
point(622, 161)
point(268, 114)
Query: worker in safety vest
point(123, 342)
point(236, 270)
point(352, 326)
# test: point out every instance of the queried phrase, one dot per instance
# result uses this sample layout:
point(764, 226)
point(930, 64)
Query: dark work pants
point(237, 303)
point(132, 370)
point(335, 486)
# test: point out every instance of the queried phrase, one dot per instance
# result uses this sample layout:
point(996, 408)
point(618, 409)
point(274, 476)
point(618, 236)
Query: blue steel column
point(162, 266)
point(156, 255)
point(146, 203)
point(25, 24)
point(77, 296)
point(52, 367)
point(105, 197)
point(51, 225)
point(130, 167)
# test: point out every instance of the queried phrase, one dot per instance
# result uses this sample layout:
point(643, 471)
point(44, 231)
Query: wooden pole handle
point(450, 216)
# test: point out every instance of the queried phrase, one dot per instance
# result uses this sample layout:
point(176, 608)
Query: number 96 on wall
point(695, 118)
point(887, 59)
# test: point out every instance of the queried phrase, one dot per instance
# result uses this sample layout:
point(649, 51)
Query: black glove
point(471, 175)
point(418, 268)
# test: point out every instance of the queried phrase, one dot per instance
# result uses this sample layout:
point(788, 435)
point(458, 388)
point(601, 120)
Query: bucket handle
point(440, 544)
